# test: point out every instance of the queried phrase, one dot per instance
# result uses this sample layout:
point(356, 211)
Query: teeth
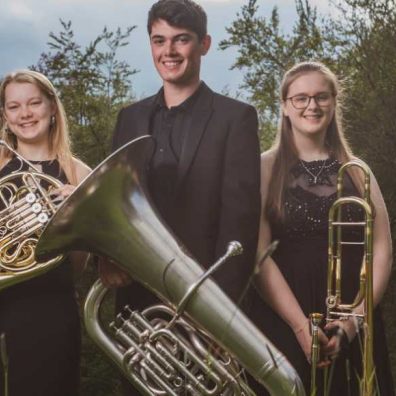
point(171, 64)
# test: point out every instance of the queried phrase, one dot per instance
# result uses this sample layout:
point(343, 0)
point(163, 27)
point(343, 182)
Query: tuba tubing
point(110, 214)
point(92, 305)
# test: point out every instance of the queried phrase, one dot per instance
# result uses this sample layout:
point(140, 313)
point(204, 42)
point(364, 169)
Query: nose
point(169, 48)
point(312, 104)
point(26, 112)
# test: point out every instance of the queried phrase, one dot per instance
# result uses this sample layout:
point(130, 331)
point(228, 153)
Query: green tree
point(265, 52)
point(93, 85)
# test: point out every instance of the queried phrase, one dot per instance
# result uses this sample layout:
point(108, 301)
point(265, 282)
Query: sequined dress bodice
point(311, 192)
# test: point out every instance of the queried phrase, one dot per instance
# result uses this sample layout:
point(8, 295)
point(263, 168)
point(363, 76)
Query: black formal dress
point(302, 258)
point(41, 322)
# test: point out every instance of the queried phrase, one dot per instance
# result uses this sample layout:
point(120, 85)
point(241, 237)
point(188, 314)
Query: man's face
point(177, 53)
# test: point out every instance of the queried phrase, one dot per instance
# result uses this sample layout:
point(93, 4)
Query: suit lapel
point(143, 122)
point(201, 113)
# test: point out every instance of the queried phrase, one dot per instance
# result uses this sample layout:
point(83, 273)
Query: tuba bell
point(110, 214)
point(26, 208)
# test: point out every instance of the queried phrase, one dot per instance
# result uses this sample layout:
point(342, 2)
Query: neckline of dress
point(38, 162)
point(320, 161)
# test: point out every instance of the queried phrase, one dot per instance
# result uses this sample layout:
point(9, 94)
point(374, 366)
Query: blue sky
point(25, 25)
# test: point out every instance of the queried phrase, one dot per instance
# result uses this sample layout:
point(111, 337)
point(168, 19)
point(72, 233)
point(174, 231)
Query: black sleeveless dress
point(302, 258)
point(41, 322)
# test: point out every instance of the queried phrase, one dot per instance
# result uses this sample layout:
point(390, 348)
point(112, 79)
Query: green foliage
point(92, 83)
point(99, 377)
point(265, 52)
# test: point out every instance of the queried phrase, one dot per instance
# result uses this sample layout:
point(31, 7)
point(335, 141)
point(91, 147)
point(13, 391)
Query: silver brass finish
point(110, 214)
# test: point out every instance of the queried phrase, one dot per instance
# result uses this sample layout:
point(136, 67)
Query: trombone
point(336, 308)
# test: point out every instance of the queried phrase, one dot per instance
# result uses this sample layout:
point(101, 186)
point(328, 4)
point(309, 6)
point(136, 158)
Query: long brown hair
point(58, 137)
point(284, 149)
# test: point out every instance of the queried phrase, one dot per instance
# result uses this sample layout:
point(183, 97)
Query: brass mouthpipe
point(315, 320)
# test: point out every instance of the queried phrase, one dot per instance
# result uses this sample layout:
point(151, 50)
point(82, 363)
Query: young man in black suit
point(204, 176)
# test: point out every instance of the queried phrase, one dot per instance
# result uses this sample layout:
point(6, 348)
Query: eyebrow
point(29, 100)
point(173, 37)
point(304, 93)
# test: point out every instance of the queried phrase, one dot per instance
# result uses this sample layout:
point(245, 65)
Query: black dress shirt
point(168, 126)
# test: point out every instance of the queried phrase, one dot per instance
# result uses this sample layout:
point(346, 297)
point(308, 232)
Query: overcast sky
point(25, 25)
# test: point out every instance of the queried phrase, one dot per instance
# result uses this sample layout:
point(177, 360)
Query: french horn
point(110, 214)
point(26, 208)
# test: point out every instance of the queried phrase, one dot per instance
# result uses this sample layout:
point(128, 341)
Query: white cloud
point(19, 10)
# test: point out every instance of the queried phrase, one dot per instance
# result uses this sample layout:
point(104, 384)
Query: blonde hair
point(284, 149)
point(58, 137)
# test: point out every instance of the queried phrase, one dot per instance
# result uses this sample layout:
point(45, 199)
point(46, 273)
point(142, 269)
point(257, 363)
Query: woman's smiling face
point(28, 111)
point(315, 91)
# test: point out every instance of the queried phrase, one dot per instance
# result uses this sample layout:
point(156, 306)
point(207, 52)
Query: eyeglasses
point(300, 102)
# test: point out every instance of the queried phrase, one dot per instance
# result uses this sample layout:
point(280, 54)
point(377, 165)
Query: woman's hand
point(346, 328)
point(111, 276)
point(304, 338)
point(61, 193)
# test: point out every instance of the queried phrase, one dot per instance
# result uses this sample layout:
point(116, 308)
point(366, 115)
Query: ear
point(205, 44)
point(284, 109)
point(53, 108)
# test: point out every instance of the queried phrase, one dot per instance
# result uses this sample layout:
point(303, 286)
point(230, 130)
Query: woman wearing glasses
point(309, 149)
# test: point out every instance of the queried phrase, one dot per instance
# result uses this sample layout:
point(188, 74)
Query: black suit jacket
point(217, 197)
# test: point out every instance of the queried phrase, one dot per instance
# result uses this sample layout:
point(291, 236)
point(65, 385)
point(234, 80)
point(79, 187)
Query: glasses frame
point(310, 97)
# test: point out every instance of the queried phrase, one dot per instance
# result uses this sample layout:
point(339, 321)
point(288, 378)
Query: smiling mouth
point(313, 116)
point(28, 124)
point(171, 64)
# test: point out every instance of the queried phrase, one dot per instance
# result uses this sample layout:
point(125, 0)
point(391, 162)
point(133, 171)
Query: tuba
point(160, 351)
point(27, 208)
point(336, 308)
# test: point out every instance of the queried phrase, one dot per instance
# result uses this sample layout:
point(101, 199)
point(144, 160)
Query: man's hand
point(111, 276)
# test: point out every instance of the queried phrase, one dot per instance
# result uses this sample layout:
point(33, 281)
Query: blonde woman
point(40, 316)
point(298, 185)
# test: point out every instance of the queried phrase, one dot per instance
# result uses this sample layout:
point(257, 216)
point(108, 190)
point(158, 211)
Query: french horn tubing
point(26, 208)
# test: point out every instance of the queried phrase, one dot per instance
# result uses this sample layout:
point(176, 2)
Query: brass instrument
point(316, 319)
point(27, 208)
point(336, 308)
point(110, 214)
